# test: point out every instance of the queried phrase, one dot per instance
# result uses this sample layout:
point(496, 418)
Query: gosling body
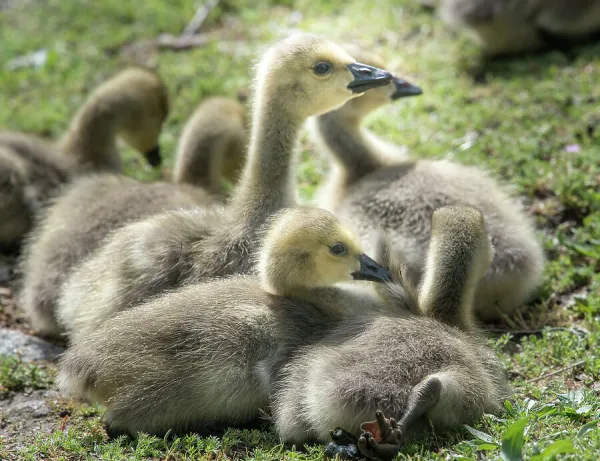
point(504, 27)
point(31, 170)
point(76, 224)
point(374, 191)
point(402, 199)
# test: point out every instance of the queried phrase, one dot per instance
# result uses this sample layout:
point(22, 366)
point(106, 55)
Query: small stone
point(31, 408)
point(14, 342)
point(5, 274)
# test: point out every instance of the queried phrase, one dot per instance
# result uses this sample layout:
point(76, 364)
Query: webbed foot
point(342, 437)
point(344, 445)
point(381, 439)
point(112, 432)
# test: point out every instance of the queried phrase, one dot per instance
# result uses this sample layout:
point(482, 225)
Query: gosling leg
point(422, 398)
point(382, 439)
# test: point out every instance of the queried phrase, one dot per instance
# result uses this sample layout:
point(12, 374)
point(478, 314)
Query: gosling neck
point(199, 164)
point(91, 140)
point(267, 184)
point(327, 299)
point(448, 289)
point(346, 141)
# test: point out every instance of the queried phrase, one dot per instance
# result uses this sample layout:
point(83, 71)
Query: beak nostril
point(367, 77)
point(371, 270)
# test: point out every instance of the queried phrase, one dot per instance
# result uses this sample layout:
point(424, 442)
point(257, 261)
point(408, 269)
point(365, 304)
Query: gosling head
point(309, 248)
point(212, 146)
point(143, 104)
point(358, 108)
point(308, 75)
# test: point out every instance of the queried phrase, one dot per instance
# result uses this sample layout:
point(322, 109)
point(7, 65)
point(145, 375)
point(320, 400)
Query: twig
point(188, 38)
point(513, 332)
point(576, 331)
point(556, 372)
point(199, 17)
point(171, 42)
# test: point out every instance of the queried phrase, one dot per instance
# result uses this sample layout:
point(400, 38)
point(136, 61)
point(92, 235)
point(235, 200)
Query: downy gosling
point(80, 218)
point(202, 355)
point(419, 363)
point(505, 27)
point(132, 105)
point(370, 189)
point(299, 77)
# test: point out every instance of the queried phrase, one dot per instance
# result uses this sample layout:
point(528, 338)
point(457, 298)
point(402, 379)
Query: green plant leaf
point(591, 426)
point(546, 410)
point(557, 448)
point(513, 441)
point(481, 435)
point(509, 407)
point(584, 410)
point(483, 446)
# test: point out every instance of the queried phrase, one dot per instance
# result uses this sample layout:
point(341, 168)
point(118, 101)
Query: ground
point(533, 122)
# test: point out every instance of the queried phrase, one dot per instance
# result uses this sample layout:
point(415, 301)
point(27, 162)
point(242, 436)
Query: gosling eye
point(322, 68)
point(338, 249)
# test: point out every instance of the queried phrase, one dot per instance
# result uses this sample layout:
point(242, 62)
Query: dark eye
point(338, 249)
point(322, 68)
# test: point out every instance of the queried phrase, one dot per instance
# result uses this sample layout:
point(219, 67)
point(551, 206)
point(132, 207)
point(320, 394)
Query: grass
point(16, 375)
point(533, 123)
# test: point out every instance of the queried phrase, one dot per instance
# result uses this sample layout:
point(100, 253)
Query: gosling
point(202, 355)
point(505, 27)
point(374, 190)
point(132, 105)
point(299, 77)
point(416, 368)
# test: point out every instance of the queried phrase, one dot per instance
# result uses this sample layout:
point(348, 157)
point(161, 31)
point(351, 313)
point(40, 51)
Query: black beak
point(153, 156)
point(371, 270)
point(404, 89)
point(367, 77)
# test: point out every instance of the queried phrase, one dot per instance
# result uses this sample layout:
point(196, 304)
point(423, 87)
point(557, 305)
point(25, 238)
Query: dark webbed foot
point(372, 449)
point(343, 445)
point(381, 439)
point(113, 433)
point(342, 437)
